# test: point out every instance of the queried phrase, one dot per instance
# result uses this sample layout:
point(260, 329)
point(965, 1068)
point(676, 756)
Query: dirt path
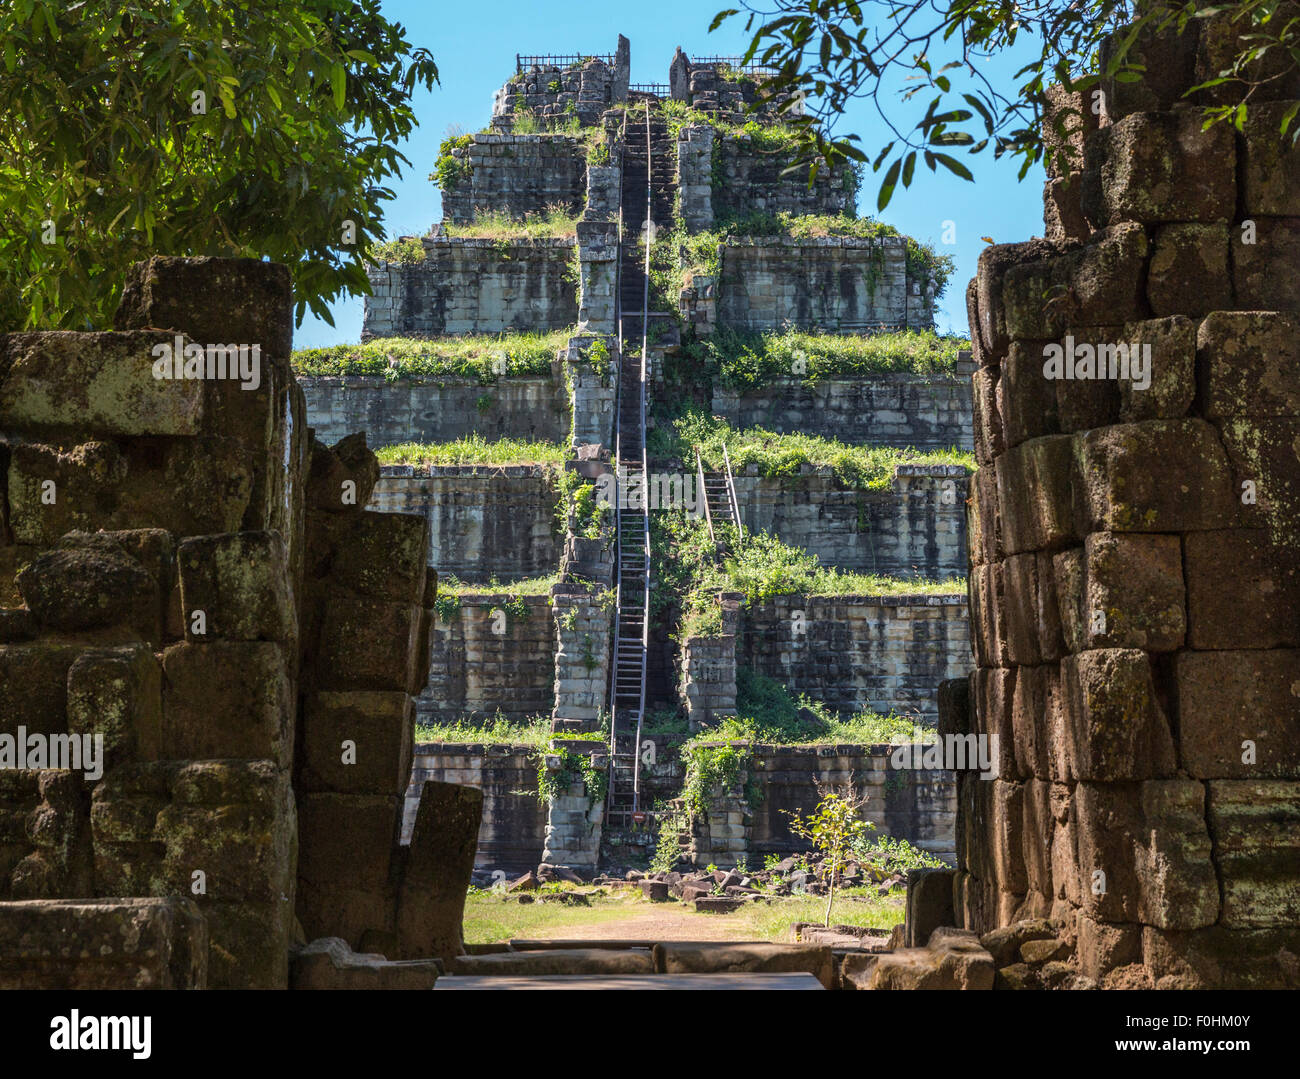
point(654, 925)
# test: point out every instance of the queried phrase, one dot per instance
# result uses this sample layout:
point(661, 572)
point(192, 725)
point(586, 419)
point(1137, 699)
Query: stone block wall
point(467, 285)
point(436, 410)
point(748, 179)
point(830, 284)
point(1135, 573)
point(519, 175)
point(484, 520)
point(889, 410)
point(554, 92)
point(854, 652)
point(192, 579)
point(916, 528)
point(716, 87)
point(707, 680)
point(751, 820)
point(152, 532)
point(584, 625)
point(484, 659)
point(514, 820)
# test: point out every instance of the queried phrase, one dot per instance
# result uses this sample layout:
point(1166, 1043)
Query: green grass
point(749, 360)
point(402, 249)
point(485, 357)
point(449, 585)
point(474, 450)
point(493, 918)
point(553, 222)
point(495, 731)
point(760, 566)
point(768, 712)
point(778, 455)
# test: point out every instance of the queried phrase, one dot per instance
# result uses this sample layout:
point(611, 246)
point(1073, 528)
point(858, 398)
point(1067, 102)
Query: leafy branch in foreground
point(194, 127)
point(929, 55)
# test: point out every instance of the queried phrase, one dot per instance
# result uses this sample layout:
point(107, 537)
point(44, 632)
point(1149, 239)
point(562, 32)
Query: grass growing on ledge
point(777, 455)
point(760, 566)
point(497, 730)
point(473, 450)
point(404, 250)
point(486, 357)
point(768, 712)
point(530, 586)
point(553, 222)
point(750, 360)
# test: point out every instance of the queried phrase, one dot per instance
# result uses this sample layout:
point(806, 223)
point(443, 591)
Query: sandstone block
point(1255, 826)
point(1172, 342)
point(368, 644)
point(1237, 713)
point(1242, 591)
point(103, 944)
point(1249, 364)
point(1263, 277)
point(117, 693)
point(431, 903)
point(98, 384)
point(1115, 726)
point(1160, 166)
point(1189, 272)
point(1271, 163)
point(212, 300)
point(701, 958)
point(1144, 854)
point(74, 590)
point(228, 699)
point(240, 582)
point(1120, 490)
point(357, 743)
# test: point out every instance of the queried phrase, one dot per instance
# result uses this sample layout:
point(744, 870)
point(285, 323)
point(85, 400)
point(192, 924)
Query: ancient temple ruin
point(229, 604)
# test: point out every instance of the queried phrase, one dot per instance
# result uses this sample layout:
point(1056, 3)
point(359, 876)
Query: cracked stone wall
point(892, 410)
point(467, 285)
point(188, 575)
point(885, 653)
point(1136, 561)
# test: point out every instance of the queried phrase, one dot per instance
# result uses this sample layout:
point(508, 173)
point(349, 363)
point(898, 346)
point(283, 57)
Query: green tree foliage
point(257, 128)
point(833, 829)
point(931, 54)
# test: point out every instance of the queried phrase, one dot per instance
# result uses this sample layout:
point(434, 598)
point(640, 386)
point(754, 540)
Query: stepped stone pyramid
point(572, 141)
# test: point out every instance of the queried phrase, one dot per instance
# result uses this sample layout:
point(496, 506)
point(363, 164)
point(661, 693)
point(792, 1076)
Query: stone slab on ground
point(328, 963)
point(746, 957)
point(756, 980)
point(567, 961)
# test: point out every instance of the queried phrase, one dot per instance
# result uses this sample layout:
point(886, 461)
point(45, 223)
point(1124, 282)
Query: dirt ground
point(666, 924)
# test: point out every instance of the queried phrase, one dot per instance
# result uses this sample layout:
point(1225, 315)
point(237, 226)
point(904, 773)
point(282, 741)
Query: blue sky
point(475, 44)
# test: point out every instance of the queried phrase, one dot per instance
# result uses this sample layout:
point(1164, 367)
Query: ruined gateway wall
point(182, 566)
point(514, 818)
point(481, 663)
point(879, 652)
point(890, 410)
point(436, 410)
point(1136, 574)
point(484, 520)
point(916, 528)
point(519, 175)
point(469, 285)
